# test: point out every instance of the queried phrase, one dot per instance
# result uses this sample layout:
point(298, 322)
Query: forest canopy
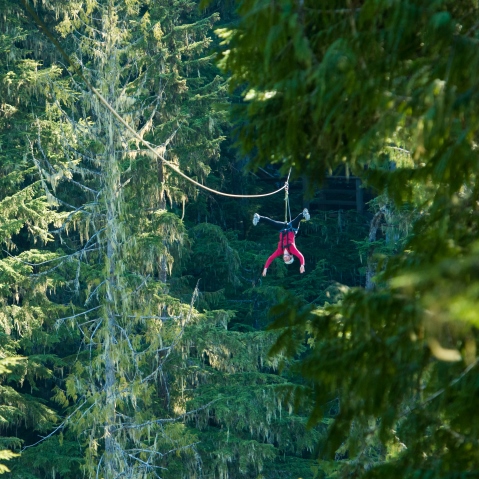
point(137, 336)
point(388, 91)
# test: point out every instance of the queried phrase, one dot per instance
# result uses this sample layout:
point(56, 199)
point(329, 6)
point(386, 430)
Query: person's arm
point(277, 253)
point(297, 253)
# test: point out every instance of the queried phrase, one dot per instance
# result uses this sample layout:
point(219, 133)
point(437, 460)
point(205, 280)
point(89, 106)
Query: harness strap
point(286, 201)
point(287, 209)
point(284, 233)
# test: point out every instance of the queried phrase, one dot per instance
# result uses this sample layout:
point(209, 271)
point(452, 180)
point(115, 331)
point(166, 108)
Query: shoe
point(255, 219)
point(306, 214)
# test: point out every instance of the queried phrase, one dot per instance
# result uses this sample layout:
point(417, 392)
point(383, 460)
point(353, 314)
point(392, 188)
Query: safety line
point(77, 69)
point(286, 199)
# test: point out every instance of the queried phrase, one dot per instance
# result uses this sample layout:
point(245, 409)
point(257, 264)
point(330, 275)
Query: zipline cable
point(79, 72)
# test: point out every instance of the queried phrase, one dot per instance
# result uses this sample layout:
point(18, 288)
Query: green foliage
point(52, 458)
point(310, 69)
point(336, 83)
point(246, 428)
point(148, 375)
point(103, 255)
point(26, 337)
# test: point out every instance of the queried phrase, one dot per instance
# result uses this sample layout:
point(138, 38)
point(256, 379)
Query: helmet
point(289, 254)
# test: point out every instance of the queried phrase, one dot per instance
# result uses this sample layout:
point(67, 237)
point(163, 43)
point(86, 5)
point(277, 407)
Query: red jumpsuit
point(286, 241)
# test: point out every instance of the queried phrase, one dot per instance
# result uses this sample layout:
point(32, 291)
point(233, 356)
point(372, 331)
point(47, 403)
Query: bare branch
point(168, 420)
point(59, 322)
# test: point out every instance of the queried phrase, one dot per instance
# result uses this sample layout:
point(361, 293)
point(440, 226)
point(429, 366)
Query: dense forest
point(140, 337)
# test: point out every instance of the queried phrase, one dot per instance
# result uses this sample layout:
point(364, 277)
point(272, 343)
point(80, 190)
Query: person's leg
point(277, 225)
point(295, 223)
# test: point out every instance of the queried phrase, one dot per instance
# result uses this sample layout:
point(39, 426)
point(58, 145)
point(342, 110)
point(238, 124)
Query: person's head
point(288, 258)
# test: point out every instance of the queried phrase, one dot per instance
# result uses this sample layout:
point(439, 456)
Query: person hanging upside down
point(287, 233)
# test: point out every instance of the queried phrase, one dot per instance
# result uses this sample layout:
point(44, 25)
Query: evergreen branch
point(398, 148)
point(44, 273)
point(78, 18)
point(147, 451)
point(16, 258)
point(39, 144)
point(90, 296)
point(58, 322)
point(455, 434)
point(158, 453)
point(93, 333)
point(163, 318)
point(82, 186)
point(168, 420)
point(44, 184)
point(44, 438)
point(60, 426)
point(165, 383)
point(63, 258)
point(177, 339)
point(163, 146)
point(146, 127)
point(76, 125)
point(42, 179)
point(205, 22)
point(452, 383)
point(98, 467)
point(337, 10)
point(81, 170)
point(130, 346)
point(49, 165)
point(87, 322)
point(145, 280)
point(59, 230)
point(93, 236)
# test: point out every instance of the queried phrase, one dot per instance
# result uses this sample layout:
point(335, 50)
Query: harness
point(287, 213)
point(285, 237)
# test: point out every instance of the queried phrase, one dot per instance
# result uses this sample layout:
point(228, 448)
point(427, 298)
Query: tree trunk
point(163, 274)
point(373, 229)
point(359, 196)
point(113, 197)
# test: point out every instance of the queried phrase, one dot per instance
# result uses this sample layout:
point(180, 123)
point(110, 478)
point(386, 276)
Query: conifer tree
point(249, 429)
point(334, 83)
point(114, 250)
point(125, 390)
point(27, 338)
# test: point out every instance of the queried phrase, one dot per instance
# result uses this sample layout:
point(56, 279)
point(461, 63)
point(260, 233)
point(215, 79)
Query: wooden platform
point(339, 192)
point(342, 193)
